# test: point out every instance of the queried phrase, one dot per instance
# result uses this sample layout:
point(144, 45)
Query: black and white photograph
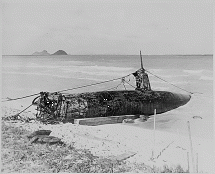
point(107, 86)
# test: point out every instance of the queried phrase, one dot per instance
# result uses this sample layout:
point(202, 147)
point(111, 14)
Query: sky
point(107, 27)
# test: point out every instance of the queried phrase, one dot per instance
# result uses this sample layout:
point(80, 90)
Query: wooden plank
point(103, 120)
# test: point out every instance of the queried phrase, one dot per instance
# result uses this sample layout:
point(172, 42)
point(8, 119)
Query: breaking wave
point(205, 78)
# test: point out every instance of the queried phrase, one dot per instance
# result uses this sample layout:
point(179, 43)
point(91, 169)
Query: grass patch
point(18, 155)
point(167, 169)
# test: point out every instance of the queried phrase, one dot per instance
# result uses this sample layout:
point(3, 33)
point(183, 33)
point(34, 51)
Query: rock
point(60, 52)
point(33, 140)
point(42, 53)
point(45, 139)
point(128, 120)
point(48, 139)
point(39, 132)
point(197, 117)
point(143, 117)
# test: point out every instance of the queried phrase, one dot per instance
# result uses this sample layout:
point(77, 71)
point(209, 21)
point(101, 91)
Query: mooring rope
point(169, 82)
point(13, 117)
point(93, 84)
point(130, 85)
point(114, 87)
point(11, 99)
point(24, 109)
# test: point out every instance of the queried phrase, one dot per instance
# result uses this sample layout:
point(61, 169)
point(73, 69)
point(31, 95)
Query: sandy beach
point(157, 148)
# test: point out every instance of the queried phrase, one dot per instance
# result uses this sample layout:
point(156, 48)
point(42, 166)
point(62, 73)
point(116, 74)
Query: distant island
point(45, 53)
point(60, 52)
point(42, 53)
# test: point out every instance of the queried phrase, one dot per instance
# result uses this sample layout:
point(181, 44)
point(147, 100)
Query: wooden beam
point(103, 120)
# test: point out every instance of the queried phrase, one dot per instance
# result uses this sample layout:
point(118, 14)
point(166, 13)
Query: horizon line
point(112, 55)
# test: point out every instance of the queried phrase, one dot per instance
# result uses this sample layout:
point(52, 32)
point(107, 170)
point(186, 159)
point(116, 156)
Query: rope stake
point(13, 117)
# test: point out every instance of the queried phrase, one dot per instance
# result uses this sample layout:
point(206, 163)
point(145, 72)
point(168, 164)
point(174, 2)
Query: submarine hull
point(109, 103)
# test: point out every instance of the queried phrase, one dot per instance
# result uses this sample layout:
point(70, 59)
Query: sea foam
point(205, 78)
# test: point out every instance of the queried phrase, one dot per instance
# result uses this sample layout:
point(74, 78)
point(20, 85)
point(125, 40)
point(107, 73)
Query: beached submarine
point(107, 103)
point(141, 101)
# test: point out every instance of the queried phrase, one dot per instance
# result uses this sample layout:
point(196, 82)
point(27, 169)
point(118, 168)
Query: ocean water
point(26, 75)
point(31, 74)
